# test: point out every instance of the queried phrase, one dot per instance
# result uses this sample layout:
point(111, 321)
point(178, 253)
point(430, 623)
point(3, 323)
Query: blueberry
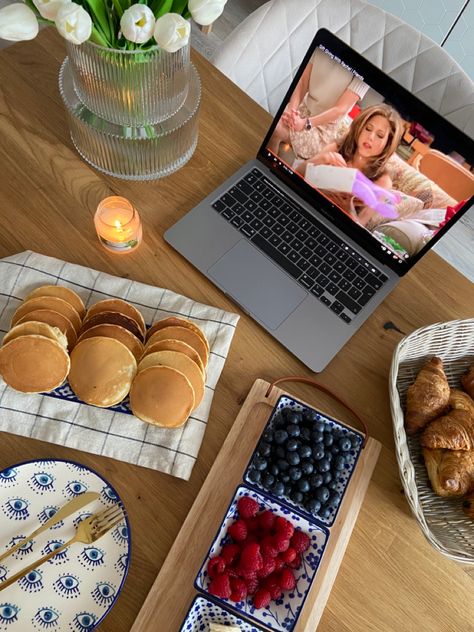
point(291, 445)
point(282, 465)
point(294, 417)
point(305, 434)
point(318, 452)
point(317, 437)
point(316, 480)
point(295, 473)
point(303, 485)
point(288, 489)
point(278, 488)
point(304, 451)
point(293, 458)
point(267, 480)
point(339, 463)
point(335, 449)
point(285, 478)
point(313, 505)
point(264, 449)
point(322, 494)
point(323, 465)
point(345, 444)
point(279, 421)
point(280, 452)
point(280, 436)
point(296, 496)
point(273, 469)
point(267, 436)
point(310, 416)
point(355, 441)
point(320, 426)
point(334, 498)
point(327, 478)
point(332, 485)
point(307, 467)
point(293, 430)
point(259, 462)
point(324, 512)
point(254, 475)
point(328, 439)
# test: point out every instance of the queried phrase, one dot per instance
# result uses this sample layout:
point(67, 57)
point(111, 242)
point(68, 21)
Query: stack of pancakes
point(34, 355)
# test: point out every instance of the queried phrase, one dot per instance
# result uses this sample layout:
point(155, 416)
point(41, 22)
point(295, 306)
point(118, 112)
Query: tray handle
point(311, 382)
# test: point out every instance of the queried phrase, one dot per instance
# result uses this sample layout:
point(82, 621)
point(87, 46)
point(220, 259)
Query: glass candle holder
point(118, 225)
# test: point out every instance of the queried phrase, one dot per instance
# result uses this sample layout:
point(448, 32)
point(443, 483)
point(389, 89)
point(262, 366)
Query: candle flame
point(118, 225)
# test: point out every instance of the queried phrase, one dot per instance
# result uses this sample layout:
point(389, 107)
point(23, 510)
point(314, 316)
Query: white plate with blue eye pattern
point(74, 590)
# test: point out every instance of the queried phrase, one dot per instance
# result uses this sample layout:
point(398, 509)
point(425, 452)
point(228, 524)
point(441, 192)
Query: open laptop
point(294, 256)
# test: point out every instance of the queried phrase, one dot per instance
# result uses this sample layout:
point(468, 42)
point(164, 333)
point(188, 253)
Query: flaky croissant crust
point(451, 472)
point(467, 381)
point(427, 397)
point(454, 431)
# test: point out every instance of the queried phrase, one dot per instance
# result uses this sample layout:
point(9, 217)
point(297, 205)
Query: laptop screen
point(378, 163)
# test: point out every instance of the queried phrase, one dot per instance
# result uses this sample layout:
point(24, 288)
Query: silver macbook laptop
point(353, 184)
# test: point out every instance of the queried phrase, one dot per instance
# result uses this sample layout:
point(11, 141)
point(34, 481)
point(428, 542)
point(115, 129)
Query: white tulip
point(172, 32)
point(74, 23)
point(205, 12)
point(17, 23)
point(48, 9)
point(137, 23)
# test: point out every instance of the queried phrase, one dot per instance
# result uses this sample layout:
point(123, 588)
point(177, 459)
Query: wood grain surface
point(391, 579)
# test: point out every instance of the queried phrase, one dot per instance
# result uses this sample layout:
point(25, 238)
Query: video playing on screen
point(376, 162)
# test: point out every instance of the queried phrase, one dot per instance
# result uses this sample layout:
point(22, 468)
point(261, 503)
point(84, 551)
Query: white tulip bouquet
point(111, 23)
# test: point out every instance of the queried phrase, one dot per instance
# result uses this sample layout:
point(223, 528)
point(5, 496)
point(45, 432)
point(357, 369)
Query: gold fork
point(88, 531)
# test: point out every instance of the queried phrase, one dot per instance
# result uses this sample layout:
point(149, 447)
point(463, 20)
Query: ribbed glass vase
point(130, 87)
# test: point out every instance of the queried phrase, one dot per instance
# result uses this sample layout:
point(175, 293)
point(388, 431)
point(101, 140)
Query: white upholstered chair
point(264, 52)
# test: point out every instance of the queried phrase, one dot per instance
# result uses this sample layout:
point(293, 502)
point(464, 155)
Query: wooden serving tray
point(173, 590)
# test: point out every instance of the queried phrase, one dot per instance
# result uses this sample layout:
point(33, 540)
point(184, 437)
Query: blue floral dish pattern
point(75, 589)
point(343, 476)
point(204, 612)
point(280, 615)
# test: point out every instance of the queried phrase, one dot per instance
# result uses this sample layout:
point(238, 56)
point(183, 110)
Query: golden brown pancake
point(55, 319)
point(185, 334)
point(113, 318)
point(162, 396)
point(180, 362)
point(36, 328)
point(119, 333)
point(59, 291)
point(175, 321)
point(48, 302)
point(175, 345)
point(118, 305)
point(102, 370)
point(33, 364)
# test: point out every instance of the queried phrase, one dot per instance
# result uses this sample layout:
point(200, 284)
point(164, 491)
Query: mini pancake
point(188, 336)
point(48, 302)
point(118, 305)
point(180, 362)
point(59, 291)
point(33, 364)
point(118, 333)
point(55, 319)
point(175, 345)
point(36, 328)
point(175, 321)
point(162, 396)
point(102, 370)
point(113, 318)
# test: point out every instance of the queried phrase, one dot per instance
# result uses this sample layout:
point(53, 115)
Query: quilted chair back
point(264, 52)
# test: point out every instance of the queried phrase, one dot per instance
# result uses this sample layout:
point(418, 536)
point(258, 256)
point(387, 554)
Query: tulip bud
point(138, 23)
point(172, 32)
point(205, 12)
point(48, 9)
point(74, 23)
point(17, 23)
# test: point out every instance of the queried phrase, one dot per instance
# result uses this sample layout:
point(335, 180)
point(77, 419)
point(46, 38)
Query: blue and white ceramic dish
point(281, 615)
point(204, 612)
point(76, 589)
point(340, 479)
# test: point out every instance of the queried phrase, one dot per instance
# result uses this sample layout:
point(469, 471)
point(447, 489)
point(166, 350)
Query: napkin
point(61, 418)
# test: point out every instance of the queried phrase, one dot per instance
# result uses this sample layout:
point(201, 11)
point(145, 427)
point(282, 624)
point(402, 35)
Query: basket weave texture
point(442, 520)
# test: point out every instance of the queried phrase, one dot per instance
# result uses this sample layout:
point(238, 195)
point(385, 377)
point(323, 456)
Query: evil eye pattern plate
point(76, 589)
point(204, 612)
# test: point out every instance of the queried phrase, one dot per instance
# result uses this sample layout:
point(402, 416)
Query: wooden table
point(391, 579)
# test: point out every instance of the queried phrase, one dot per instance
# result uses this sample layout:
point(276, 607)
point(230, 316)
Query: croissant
point(451, 472)
point(458, 400)
point(427, 397)
point(454, 431)
point(468, 504)
point(467, 381)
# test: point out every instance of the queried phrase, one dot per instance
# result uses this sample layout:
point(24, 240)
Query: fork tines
point(108, 518)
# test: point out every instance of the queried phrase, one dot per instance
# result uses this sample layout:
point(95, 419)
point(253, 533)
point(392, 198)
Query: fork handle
point(34, 565)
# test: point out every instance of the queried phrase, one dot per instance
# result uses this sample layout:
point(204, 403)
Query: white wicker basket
point(441, 519)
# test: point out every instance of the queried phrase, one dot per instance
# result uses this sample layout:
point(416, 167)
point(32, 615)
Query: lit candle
point(118, 225)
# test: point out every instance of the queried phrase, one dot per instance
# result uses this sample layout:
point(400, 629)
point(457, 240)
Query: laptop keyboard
point(318, 259)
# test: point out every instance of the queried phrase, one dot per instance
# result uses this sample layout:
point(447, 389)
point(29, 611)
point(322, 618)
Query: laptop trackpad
point(257, 284)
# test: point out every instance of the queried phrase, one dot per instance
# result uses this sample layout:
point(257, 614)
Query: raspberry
point(220, 586)
point(252, 585)
point(284, 528)
point(252, 524)
point(279, 563)
point(286, 579)
point(239, 589)
point(261, 598)
point(280, 543)
point(238, 531)
point(215, 566)
point(267, 547)
point(266, 520)
point(250, 557)
point(230, 553)
point(246, 573)
point(296, 563)
point(288, 555)
point(267, 568)
point(247, 507)
point(275, 592)
point(300, 541)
